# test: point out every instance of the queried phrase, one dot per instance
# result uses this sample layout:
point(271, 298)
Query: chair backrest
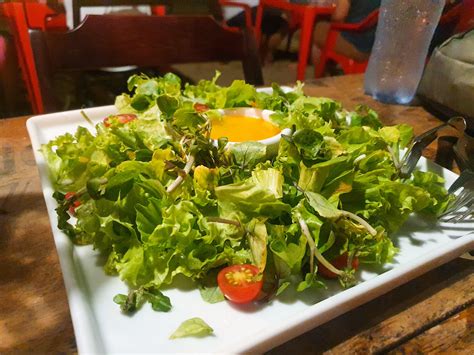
point(77, 4)
point(364, 25)
point(370, 21)
point(41, 16)
point(145, 41)
point(158, 7)
point(452, 15)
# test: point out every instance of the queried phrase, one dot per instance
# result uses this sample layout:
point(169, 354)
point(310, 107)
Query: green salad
point(152, 192)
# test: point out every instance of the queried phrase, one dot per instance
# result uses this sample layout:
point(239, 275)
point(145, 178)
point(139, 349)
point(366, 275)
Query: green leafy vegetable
point(192, 327)
point(153, 193)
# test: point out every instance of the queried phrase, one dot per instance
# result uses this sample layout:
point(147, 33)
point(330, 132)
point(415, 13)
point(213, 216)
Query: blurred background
point(297, 39)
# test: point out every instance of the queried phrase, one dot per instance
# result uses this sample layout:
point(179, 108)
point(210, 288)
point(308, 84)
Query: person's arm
point(342, 10)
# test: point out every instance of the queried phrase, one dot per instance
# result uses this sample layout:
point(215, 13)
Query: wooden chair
point(168, 7)
point(245, 7)
point(349, 65)
point(145, 41)
point(158, 7)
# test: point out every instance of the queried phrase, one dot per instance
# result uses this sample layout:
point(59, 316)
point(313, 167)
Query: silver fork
point(455, 213)
point(413, 154)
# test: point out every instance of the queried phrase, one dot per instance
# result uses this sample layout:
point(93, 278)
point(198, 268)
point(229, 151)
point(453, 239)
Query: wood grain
point(426, 314)
point(453, 336)
point(34, 315)
point(394, 318)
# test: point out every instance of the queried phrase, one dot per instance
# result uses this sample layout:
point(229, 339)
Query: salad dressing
point(243, 128)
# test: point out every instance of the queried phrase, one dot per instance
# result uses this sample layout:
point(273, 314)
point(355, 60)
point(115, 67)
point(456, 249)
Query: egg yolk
point(243, 128)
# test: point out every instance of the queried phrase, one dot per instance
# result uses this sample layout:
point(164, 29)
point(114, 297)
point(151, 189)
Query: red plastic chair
point(22, 17)
point(452, 15)
point(349, 65)
point(303, 16)
point(245, 7)
point(40, 16)
point(466, 19)
point(159, 10)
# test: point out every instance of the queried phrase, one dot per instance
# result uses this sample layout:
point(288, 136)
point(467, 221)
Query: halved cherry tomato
point(126, 117)
point(122, 118)
point(200, 107)
point(339, 263)
point(240, 283)
point(107, 122)
point(74, 205)
point(69, 195)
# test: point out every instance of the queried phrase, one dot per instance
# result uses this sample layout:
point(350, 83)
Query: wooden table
point(434, 312)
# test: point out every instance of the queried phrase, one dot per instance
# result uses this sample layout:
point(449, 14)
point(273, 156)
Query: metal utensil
point(462, 208)
point(413, 154)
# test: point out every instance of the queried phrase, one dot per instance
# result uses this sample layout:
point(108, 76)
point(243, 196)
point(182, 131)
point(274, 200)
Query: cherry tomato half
point(122, 118)
point(339, 263)
point(69, 195)
point(126, 117)
point(200, 107)
point(74, 205)
point(240, 283)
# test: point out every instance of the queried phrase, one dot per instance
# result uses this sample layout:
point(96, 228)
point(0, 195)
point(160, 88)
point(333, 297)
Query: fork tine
point(459, 217)
point(456, 215)
point(465, 176)
point(458, 203)
point(465, 199)
point(466, 214)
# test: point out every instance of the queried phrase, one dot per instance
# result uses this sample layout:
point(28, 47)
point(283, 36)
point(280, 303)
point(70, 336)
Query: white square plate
point(101, 327)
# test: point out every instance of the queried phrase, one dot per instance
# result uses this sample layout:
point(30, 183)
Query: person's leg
point(347, 49)
point(275, 29)
point(319, 38)
point(342, 46)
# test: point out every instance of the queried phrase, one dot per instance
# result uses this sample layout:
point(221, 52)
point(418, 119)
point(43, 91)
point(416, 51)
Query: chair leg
point(321, 64)
point(16, 13)
point(305, 43)
point(288, 40)
point(258, 24)
point(328, 48)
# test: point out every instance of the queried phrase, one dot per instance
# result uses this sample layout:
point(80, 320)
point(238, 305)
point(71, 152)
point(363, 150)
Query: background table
point(434, 312)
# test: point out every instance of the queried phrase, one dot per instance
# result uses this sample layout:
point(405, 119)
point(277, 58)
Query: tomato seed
point(240, 277)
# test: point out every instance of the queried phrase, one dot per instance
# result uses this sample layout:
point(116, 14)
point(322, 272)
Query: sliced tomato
point(240, 283)
point(74, 205)
point(69, 195)
point(106, 122)
point(122, 118)
point(339, 263)
point(126, 117)
point(200, 107)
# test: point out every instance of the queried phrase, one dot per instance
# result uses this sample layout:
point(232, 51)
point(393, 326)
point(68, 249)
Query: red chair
point(40, 16)
point(466, 20)
point(22, 17)
point(452, 15)
point(245, 7)
point(304, 16)
point(349, 65)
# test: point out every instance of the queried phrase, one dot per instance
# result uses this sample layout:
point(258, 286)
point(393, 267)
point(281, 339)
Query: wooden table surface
point(432, 313)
